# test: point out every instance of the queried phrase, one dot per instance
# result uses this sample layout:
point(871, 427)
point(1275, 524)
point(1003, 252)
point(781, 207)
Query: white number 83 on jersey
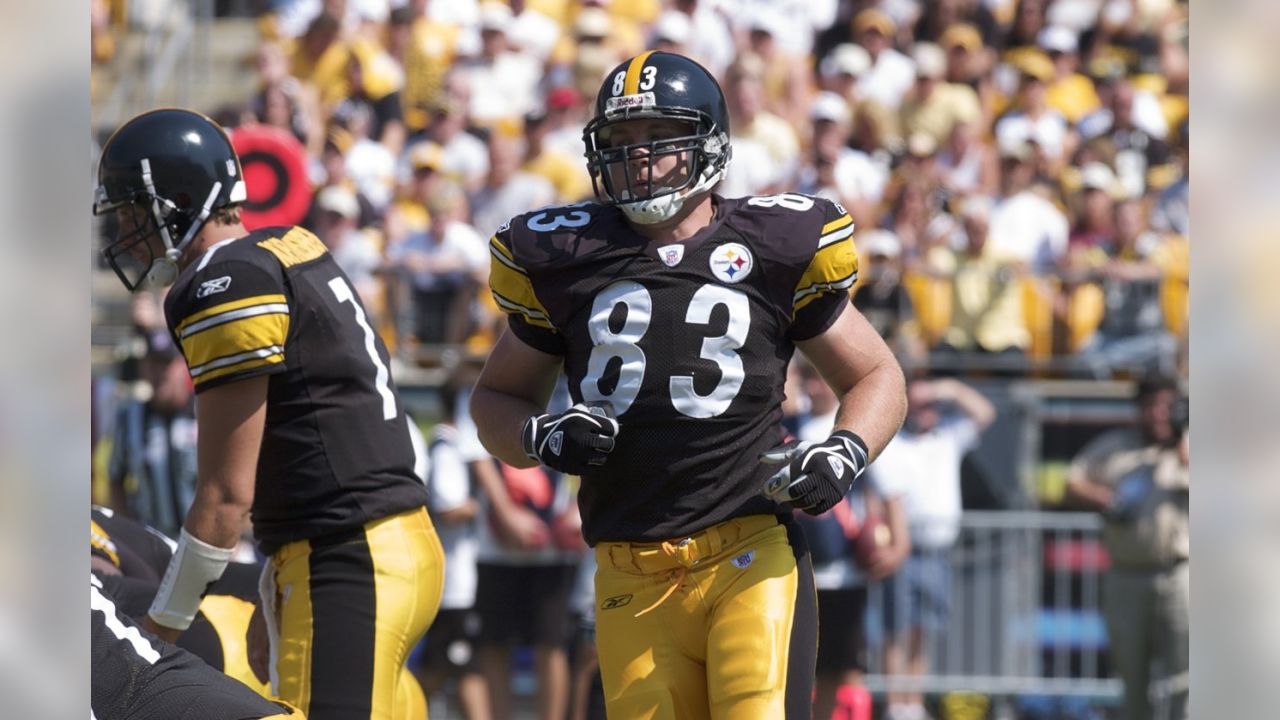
point(624, 345)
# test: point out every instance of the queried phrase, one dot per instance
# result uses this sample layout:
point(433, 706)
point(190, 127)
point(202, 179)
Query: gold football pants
point(720, 625)
point(349, 610)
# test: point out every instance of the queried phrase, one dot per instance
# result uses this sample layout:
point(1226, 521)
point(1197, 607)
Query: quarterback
point(673, 313)
point(300, 424)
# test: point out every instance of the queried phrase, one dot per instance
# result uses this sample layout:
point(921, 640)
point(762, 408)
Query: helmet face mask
point(687, 118)
point(633, 171)
point(138, 253)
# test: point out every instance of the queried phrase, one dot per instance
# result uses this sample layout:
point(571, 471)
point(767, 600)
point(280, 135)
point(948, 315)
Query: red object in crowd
point(275, 175)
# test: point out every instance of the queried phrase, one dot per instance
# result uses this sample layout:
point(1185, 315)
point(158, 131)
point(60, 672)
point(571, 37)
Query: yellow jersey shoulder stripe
point(232, 316)
point(249, 364)
point(836, 224)
point(835, 236)
point(99, 539)
point(228, 307)
point(199, 371)
point(498, 254)
point(512, 289)
point(496, 244)
point(534, 317)
point(234, 336)
point(807, 295)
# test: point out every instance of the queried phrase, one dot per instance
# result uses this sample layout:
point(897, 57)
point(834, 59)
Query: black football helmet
point(170, 169)
point(665, 86)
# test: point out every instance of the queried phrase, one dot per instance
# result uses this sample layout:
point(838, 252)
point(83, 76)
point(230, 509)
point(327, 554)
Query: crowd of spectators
point(1017, 169)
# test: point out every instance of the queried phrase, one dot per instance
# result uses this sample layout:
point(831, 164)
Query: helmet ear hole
point(182, 201)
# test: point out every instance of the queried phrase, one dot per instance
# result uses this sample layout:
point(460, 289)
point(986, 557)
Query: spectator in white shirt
point(1025, 227)
point(944, 421)
point(464, 155)
point(503, 80)
point(1032, 120)
point(855, 180)
point(892, 74)
point(444, 265)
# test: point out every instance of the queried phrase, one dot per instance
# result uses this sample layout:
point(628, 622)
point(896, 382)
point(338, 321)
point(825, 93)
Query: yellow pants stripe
point(351, 609)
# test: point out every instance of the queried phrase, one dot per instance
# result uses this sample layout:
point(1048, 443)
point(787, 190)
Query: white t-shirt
point(449, 486)
point(889, 79)
point(750, 172)
point(1027, 228)
point(504, 88)
point(465, 157)
point(927, 467)
point(859, 177)
point(373, 169)
point(1048, 131)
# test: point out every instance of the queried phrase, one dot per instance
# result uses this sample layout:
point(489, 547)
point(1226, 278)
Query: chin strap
point(661, 209)
point(164, 270)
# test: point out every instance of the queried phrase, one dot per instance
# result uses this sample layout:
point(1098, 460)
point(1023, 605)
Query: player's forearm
point(218, 515)
point(499, 419)
point(875, 406)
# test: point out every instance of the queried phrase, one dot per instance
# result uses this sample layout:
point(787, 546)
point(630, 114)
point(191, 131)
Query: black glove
point(815, 476)
point(572, 441)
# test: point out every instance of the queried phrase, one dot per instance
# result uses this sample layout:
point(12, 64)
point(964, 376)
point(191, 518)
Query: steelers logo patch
point(731, 262)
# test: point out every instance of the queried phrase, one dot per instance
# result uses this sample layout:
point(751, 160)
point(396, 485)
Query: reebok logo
point(211, 287)
point(556, 441)
point(616, 601)
point(836, 465)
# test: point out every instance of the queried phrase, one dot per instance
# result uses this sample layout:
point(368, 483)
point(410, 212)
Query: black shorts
point(524, 604)
point(842, 639)
point(450, 644)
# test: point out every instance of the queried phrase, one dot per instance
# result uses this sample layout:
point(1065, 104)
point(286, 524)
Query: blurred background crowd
point(1017, 172)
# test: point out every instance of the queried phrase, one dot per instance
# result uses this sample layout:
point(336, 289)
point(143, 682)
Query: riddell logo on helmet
point(626, 102)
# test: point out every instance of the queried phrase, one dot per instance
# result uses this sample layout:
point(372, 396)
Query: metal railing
point(1025, 616)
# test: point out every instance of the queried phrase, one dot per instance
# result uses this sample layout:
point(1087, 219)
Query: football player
point(300, 423)
point(673, 312)
point(136, 676)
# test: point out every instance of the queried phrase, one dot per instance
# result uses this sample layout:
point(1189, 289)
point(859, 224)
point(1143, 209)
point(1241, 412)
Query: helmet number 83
point(624, 345)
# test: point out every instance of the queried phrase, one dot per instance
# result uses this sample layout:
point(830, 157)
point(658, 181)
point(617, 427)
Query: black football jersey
point(336, 451)
point(137, 676)
point(688, 341)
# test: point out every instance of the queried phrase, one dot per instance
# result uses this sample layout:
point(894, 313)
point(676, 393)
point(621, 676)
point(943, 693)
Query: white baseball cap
point(829, 106)
point(846, 59)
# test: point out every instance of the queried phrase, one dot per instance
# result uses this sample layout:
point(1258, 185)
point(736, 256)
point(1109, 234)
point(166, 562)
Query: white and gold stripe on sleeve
point(235, 336)
point(834, 266)
point(512, 289)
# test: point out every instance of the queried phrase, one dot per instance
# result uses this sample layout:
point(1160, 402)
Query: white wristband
point(195, 565)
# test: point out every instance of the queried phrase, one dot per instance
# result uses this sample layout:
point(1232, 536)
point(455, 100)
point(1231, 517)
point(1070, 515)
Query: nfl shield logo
point(671, 254)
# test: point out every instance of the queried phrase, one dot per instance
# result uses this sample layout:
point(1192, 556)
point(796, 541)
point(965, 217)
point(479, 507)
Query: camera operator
point(1139, 478)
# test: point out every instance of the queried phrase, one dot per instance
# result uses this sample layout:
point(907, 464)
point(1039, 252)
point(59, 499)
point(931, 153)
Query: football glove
point(815, 476)
point(573, 441)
